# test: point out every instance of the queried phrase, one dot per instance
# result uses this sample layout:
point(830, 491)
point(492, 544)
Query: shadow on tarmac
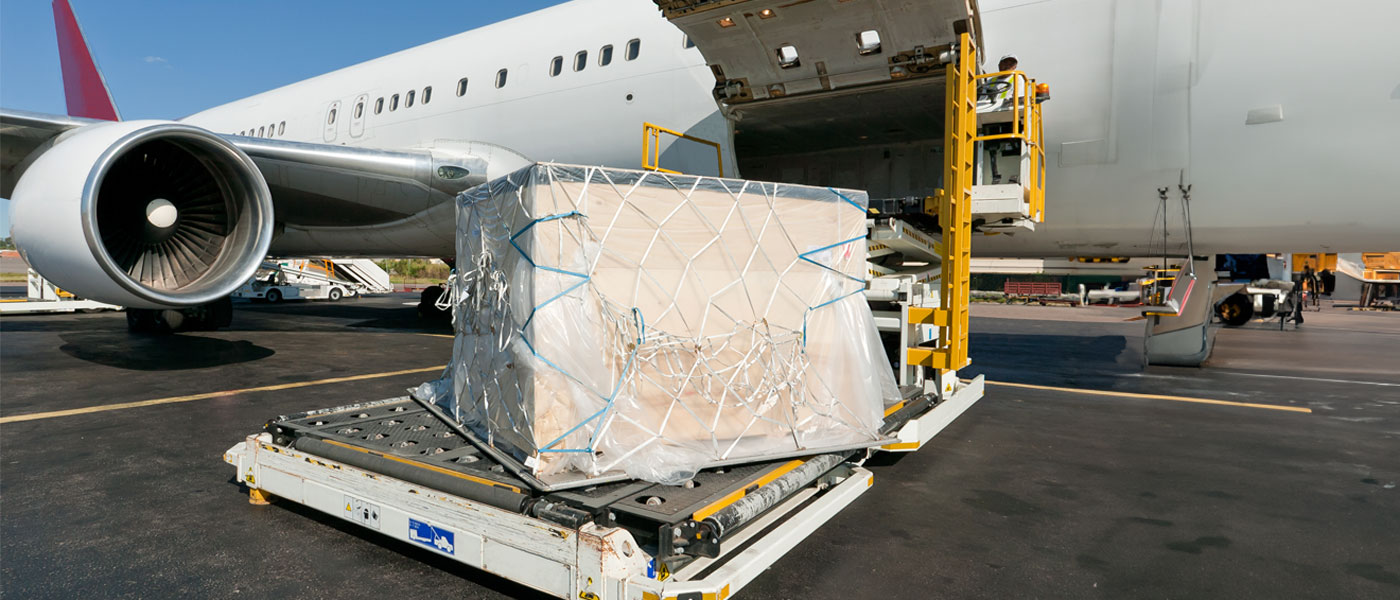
point(123, 350)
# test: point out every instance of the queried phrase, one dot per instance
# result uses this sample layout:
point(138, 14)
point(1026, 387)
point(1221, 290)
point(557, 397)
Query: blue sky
point(169, 58)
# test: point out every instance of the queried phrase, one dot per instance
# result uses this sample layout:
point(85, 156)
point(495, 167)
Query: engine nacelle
point(147, 214)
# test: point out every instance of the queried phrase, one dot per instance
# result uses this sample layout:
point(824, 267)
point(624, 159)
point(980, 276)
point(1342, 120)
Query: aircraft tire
point(427, 303)
point(1235, 310)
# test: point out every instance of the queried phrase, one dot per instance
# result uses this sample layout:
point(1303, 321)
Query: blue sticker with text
point(432, 537)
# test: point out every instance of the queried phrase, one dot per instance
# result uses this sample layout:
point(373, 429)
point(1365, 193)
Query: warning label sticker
point(362, 512)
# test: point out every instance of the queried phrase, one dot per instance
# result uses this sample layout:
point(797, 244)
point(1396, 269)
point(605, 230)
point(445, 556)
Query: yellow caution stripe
point(738, 494)
point(422, 465)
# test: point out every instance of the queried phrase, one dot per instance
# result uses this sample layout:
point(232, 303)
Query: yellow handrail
point(651, 147)
point(1026, 127)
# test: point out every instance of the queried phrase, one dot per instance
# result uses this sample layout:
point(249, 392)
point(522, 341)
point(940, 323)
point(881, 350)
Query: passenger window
point(330, 118)
point(605, 55)
point(271, 130)
point(634, 48)
point(408, 100)
point(500, 78)
point(462, 87)
point(282, 128)
point(580, 60)
point(260, 132)
point(359, 109)
point(555, 66)
point(393, 103)
point(379, 105)
point(427, 94)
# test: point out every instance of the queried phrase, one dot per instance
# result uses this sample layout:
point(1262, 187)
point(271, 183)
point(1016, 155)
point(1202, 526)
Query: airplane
point(1276, 113)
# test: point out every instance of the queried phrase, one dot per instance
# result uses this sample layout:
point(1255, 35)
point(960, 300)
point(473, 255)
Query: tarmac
point(1283, 483)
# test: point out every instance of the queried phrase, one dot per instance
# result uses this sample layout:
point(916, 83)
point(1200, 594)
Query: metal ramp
point(365, 272)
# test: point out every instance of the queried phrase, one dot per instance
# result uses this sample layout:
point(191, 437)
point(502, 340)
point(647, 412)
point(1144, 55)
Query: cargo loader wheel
point(274, 295)
point(1236, 310)
point(334, 295)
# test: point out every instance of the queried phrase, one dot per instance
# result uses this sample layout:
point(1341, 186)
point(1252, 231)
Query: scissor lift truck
point(403, 468)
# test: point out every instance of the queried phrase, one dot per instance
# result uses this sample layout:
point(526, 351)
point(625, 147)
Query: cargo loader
point(404, 468)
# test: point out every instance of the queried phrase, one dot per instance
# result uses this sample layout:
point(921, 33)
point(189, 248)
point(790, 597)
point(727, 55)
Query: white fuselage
point(1145, 94)
point(590, 116)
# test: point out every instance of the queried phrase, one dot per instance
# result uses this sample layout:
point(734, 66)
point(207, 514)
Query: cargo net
point(652, 324)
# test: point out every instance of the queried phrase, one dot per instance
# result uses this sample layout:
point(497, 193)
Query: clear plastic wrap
point(651, 324)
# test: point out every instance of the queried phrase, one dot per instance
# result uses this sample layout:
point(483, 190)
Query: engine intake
point(146, 214)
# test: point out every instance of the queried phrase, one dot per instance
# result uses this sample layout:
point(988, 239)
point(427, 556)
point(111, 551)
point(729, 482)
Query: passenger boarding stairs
point(358, 274)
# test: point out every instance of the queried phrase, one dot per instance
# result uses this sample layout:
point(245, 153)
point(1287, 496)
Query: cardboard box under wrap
point(611, 320)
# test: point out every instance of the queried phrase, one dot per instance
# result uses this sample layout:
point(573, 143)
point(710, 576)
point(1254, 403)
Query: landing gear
point(161, 321)
point(427, 303)
point(1235, 310)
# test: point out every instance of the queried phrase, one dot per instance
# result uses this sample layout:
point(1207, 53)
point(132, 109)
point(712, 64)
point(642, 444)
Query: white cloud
point(155, 59)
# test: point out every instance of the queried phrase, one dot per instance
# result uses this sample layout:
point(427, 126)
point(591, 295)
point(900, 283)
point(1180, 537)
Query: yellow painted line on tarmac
point(206, 396)
point(1028, 386)
point(442, 335)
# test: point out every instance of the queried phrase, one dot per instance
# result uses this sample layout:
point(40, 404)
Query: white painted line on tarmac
point(1052, 388)
point(1267, 375)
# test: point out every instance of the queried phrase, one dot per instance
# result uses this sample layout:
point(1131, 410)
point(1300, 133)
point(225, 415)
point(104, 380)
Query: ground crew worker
point(1001, 91)
point(1004, 87)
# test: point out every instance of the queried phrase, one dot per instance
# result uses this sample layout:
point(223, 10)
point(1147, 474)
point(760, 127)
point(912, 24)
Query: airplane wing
point(23, 132)
point(313, 185)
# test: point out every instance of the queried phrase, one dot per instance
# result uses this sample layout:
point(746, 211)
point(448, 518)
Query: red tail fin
point(83, 87)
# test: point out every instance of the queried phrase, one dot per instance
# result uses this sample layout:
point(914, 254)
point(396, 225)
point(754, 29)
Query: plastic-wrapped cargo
point(613, 322)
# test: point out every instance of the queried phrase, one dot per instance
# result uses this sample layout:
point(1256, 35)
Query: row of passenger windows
point(408, 100)
point(605, 55)
point(266, 130)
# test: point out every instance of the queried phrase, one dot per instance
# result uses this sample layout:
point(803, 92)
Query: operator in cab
point(998, 94)
point(1002, 87)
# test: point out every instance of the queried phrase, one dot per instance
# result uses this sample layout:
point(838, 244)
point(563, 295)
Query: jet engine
point(147, 214)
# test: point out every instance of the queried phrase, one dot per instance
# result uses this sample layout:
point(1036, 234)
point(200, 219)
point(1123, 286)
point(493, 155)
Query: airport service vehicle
point(315, 280)
point(274, 288)
point(43, 297)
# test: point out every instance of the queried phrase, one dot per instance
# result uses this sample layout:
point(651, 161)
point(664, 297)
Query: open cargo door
point(826, 73)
